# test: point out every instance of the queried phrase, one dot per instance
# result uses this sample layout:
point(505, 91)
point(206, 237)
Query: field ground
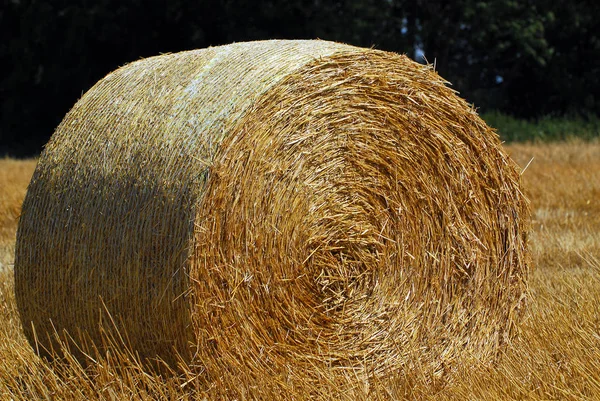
point(14, 177)
point(556, 356)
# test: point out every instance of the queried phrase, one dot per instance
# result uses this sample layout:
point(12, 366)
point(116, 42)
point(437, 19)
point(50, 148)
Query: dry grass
point(14, 176)
point(276, 212)
point(557, 355)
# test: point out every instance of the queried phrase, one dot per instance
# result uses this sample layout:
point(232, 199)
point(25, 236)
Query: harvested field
point(12, 176)
point(296, 214)
point(556, 355)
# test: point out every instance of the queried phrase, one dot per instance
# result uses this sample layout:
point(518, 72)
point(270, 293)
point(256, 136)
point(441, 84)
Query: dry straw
point(276, 209)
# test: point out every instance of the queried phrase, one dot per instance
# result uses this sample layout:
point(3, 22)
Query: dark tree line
point(528, 58)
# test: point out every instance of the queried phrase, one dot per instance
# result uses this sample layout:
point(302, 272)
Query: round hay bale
point(275, 208)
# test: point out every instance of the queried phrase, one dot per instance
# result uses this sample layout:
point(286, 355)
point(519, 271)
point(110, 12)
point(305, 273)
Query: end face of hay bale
point(280, 208)
point(373, 221)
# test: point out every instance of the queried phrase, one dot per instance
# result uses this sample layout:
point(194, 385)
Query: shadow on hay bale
point(275, 209)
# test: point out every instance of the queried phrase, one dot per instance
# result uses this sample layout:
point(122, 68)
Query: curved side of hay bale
point(276, 208)
point(107, 223)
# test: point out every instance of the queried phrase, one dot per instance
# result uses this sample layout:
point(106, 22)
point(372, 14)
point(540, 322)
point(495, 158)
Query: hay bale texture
point(275, 208)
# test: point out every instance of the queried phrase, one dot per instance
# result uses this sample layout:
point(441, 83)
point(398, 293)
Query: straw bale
point(276, 208)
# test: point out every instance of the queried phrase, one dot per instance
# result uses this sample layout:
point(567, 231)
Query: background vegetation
point(523, 59)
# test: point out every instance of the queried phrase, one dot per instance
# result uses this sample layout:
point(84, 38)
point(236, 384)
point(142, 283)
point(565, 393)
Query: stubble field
point(556, 356)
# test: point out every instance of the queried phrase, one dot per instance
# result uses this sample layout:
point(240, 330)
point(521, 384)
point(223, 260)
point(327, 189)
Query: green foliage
point(525, 58)
point(547, 128)
point(476, 44)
